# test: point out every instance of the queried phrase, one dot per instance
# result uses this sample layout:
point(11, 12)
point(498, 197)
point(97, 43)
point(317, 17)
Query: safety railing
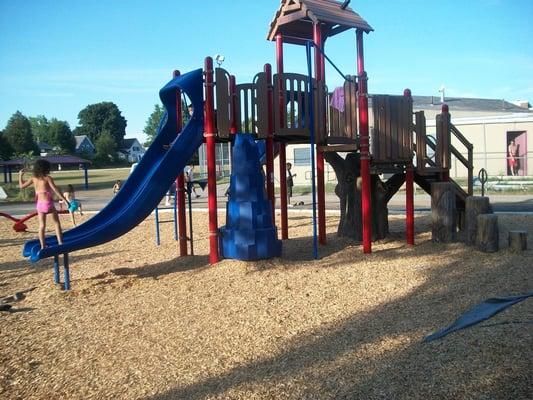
point(467, 162)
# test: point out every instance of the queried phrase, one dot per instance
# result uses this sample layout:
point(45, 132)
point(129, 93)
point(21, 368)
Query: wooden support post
point(444, 224)
point(517, 240)
point(487, 237)
point(475, 205)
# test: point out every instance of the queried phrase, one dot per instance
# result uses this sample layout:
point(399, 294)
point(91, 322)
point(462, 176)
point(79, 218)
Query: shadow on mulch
point(179, 264)
point(11, 242)
point(16, 310)
point(324, 364)
point(24, 267)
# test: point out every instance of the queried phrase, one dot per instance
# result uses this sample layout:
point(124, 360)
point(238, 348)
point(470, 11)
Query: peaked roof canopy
point(295, 18)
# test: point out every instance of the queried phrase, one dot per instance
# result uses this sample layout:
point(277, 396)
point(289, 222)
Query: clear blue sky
point(56, 57)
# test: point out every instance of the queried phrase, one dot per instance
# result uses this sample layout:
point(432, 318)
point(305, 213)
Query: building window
point(302, 157)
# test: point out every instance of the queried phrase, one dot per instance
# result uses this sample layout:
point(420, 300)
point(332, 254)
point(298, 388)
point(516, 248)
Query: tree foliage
point(6, 151)
point(105, 146)
point(18, 134)
point(39, 128)
point(61, 136)
point(95, 119)
point(150, 130)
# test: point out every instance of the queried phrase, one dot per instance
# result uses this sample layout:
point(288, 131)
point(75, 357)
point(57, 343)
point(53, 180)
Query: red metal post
point(270, 143)
point(180, 182)
point(282, 155)
point(409, 204)
point(209, 134)
point(321, 126)
point(364, 145)
point(409, 195)
point(283, 191)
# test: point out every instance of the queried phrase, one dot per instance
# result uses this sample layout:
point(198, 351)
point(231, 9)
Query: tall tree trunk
point(348, 190)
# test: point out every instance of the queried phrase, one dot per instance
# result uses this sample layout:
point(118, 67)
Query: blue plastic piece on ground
point(249, 233)
point(479, 313)
point(148, 182)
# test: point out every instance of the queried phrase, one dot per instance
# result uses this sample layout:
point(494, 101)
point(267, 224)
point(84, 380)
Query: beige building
point(488, 124)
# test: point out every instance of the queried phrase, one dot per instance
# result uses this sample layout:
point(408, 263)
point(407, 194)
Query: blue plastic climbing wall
point(249, 233)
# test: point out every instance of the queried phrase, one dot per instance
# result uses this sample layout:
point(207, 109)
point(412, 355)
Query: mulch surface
point(142, 323)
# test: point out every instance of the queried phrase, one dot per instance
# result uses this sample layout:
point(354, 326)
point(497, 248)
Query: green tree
point(150, 130)
point(97, 118)
point(6, 151)
point(61, 136)
point(18, 134)
point(39, 128)
point(105, 147)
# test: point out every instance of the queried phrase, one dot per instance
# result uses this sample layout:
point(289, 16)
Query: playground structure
point(280, 109)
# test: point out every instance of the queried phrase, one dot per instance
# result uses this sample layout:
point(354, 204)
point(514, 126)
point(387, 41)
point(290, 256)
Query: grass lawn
point(98, 179)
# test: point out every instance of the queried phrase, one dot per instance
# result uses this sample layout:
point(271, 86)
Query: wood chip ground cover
point(142, 323)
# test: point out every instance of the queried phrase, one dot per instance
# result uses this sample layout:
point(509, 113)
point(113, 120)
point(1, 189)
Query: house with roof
point(84, 145)
point(45, 149)
point(131, 150)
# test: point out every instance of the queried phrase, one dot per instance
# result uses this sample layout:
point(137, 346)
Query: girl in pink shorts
point(44, 185)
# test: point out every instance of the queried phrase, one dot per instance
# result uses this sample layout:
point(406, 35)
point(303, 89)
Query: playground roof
point(54, 160)
point(295, 18)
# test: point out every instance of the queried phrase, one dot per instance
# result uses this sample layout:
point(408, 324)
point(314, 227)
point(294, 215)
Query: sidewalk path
point(95, 200)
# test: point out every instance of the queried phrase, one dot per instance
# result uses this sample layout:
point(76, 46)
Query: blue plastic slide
point(149, 181)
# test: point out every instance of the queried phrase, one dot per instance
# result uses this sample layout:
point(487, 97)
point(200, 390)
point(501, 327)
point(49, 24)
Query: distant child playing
point(75, 204)
point(44, 185)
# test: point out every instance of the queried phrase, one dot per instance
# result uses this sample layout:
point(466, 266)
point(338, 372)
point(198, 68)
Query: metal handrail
point(321, 50)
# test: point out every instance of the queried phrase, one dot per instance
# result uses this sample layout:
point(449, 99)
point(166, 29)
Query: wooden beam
point(287, 19)
point(343, 148)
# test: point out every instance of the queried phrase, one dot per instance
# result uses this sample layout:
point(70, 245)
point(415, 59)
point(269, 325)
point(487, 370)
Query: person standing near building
point(290, 182)
point(189, 179)
point(512, 157)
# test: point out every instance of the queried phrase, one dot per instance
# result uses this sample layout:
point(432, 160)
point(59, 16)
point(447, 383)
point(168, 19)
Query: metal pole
point(312, 145)
point(409, 204)
point(270, 144)
point(364, 145)
point(209, 134)
point(56, 270)
point(321, 125)
point(86, 176)
point(66, 272)
point(282, 154)
point(157, 242)
point(176, 236)
point(189, 190)
point(180, 184)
